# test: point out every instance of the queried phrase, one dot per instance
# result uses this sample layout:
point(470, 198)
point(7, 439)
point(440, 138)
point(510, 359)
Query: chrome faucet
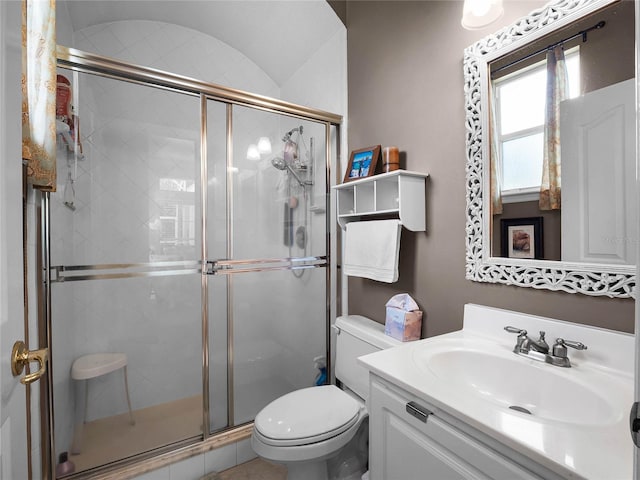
point(539, 345)
point(539, 349)
point(525, 343)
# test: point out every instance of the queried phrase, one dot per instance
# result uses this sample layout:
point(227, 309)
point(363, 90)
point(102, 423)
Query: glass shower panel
point(133, 194)
point(279, 332)
point(124, 222)
point(155, 323)
point(279, 186)
point(274, 193)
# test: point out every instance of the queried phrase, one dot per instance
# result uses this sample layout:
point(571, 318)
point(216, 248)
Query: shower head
point(280, 164)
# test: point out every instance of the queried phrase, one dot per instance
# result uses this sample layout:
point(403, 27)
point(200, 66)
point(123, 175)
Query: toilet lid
point(307, 414)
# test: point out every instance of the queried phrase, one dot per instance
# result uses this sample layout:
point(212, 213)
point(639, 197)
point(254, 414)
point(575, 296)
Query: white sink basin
point(533, 388)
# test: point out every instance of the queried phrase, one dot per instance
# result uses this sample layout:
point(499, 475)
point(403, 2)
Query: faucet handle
point(519, 331)
point(573, 344)
point(560, 347)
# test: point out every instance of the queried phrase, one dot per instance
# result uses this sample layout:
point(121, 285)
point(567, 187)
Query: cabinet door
point(400, 449)
point(403, 447)
point(409, 454)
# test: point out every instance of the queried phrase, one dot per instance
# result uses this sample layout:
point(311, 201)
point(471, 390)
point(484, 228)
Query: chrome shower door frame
point(84, 62)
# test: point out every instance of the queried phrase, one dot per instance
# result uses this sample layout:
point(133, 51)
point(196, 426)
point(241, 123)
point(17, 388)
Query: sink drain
point(520, 409)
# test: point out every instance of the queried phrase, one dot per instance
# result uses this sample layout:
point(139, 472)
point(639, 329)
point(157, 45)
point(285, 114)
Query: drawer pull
point(418, 411)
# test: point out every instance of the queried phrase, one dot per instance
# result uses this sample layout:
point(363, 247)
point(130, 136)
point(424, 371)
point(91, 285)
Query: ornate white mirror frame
point(590, 279)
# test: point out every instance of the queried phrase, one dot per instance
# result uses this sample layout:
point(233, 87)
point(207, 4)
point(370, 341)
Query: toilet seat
point(307, 416)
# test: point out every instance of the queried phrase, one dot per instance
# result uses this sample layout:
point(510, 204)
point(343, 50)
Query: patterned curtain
point(39, 92)
point(494, 155)
point(557, 89)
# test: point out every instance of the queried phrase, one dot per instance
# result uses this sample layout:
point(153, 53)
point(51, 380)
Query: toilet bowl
point(321, 433)
point(304, 438)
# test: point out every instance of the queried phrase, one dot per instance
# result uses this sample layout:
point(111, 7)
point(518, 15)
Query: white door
point(636, 458)
point(598, 176)
point(13, 409)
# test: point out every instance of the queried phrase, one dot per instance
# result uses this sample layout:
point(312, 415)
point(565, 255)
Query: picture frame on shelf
point(521, 238)
point(362, 163)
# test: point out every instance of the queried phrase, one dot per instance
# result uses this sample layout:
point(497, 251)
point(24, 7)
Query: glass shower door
point(126, 287)
point(129, 315)
point(267, 257)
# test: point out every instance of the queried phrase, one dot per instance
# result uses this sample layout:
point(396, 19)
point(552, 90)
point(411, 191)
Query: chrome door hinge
point(634, 424)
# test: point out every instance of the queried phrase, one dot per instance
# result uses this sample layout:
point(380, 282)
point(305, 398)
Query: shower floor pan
point(113, 438)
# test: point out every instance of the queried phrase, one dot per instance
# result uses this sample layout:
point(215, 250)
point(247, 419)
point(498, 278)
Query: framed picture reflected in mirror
point(521, 237)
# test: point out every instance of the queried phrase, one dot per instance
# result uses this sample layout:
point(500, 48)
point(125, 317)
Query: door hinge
point(634, 424)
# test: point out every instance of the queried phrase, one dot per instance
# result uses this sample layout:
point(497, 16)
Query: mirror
point(584, 238)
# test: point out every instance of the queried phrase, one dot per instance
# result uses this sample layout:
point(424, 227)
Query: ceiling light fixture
point(478, 14)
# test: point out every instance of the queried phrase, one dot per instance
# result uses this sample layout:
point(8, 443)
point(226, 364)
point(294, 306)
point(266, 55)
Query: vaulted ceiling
point(279, 36)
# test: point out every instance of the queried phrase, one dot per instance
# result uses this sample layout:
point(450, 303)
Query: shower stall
point(186, 260)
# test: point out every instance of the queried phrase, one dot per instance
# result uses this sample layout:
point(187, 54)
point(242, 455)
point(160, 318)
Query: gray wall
point(406, 89)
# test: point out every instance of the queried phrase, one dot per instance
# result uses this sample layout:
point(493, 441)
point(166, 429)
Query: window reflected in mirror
point(520, 136)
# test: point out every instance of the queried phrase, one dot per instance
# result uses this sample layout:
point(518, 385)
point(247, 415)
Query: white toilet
point(321, 433)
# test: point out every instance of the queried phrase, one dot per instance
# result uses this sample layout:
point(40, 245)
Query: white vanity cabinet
point(399, 194)
point(422, 445)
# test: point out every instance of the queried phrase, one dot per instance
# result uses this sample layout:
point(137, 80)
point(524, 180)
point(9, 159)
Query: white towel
point(371, 250)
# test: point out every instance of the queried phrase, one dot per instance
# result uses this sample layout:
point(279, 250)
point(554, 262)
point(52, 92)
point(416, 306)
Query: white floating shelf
point(400, 193)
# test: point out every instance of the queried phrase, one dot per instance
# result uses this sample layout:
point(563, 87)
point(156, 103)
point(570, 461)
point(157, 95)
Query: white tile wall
point(189, 469)
point(160, 474)
point(194, 468)
point(319, 83)
point(245, 452)
point(221, 458)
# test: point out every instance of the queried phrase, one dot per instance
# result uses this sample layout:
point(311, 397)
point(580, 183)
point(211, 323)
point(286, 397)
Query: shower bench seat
point(92, 366)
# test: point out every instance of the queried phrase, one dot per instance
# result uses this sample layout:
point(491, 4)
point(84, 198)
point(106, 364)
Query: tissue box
point(403, 319)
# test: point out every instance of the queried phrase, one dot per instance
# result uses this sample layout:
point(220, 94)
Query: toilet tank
point(358, 336)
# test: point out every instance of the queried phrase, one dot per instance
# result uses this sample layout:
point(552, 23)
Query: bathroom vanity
point(464, 405)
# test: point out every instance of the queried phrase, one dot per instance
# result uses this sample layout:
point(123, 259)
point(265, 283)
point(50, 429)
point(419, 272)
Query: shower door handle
point(21, 356)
